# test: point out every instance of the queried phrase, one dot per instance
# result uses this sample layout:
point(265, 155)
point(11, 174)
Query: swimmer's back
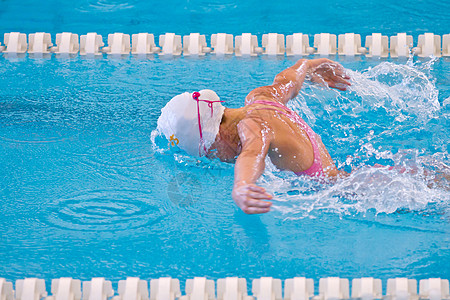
point(290, 148)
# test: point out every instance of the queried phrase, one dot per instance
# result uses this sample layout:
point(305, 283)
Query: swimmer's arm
point(288, 83)
point(249, 167)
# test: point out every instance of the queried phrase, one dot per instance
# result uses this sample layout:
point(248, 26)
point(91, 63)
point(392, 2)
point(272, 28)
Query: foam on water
point(400, 89)
point(367, 188)
point(388, 109)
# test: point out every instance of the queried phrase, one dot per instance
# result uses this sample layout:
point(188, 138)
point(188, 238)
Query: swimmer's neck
point(227, 145)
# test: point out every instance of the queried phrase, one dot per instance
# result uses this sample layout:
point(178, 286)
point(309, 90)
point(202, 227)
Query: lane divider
point(231, 288)
point(246, 44)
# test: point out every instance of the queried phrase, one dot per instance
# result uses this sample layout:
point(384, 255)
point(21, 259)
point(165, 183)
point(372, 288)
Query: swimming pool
point(85, 192)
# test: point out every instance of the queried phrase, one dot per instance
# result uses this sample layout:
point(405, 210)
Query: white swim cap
point(179, 121)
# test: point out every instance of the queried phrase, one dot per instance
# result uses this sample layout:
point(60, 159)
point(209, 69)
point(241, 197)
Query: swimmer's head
point(179, 120)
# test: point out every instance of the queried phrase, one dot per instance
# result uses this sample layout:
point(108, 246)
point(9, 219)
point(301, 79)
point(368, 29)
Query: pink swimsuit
point(316, 168)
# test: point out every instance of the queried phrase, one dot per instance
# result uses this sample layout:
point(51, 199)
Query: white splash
point(381, 189)
point(398, 101)
point(397, 88)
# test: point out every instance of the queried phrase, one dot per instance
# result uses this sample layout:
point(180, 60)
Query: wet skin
point(256, 130)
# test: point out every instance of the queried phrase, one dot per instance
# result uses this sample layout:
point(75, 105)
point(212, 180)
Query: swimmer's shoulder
point(264, 93)
point(262, 113)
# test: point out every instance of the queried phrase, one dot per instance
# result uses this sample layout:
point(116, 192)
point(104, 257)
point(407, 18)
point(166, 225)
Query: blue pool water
point(85, 191)
point(231, 16)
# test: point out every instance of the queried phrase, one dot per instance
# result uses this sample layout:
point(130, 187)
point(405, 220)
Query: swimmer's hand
point(249, 197)
point(329, 73)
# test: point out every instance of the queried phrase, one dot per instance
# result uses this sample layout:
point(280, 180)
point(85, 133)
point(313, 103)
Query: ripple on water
point(107, 5)
point(131, 159)
point(100, 92)
point(122, 154)
point(37, 132)
point(106, 210)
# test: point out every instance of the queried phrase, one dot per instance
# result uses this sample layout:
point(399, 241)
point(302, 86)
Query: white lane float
point(298, 44)
point(377, 45)
point(90, 44)
point(298, 288)
point(401, 45)
point(6, 290)
point(366, 288)
point(143, 43)
point(222, 43)
point(97, 289)
point(349, 44)
point(446, 45)
point(247, 45)
point(232, 288)
point(30, 289)
point(325, 44)
point(66, 43)
point(273, 44)
point(267, 288)
point(434, 289)
point(118, 44)
point(401, 289)
point(333, 288)
point(170, 44)
point(165, 288)
point(65, 288)
point(39, 43)
point(199, 288)
point(195, 44)
point(132, 288)
point(15, 42)
point(428, 44)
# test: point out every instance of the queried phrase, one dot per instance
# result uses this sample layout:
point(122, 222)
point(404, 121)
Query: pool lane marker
point(246, 44)
point(231, 288)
